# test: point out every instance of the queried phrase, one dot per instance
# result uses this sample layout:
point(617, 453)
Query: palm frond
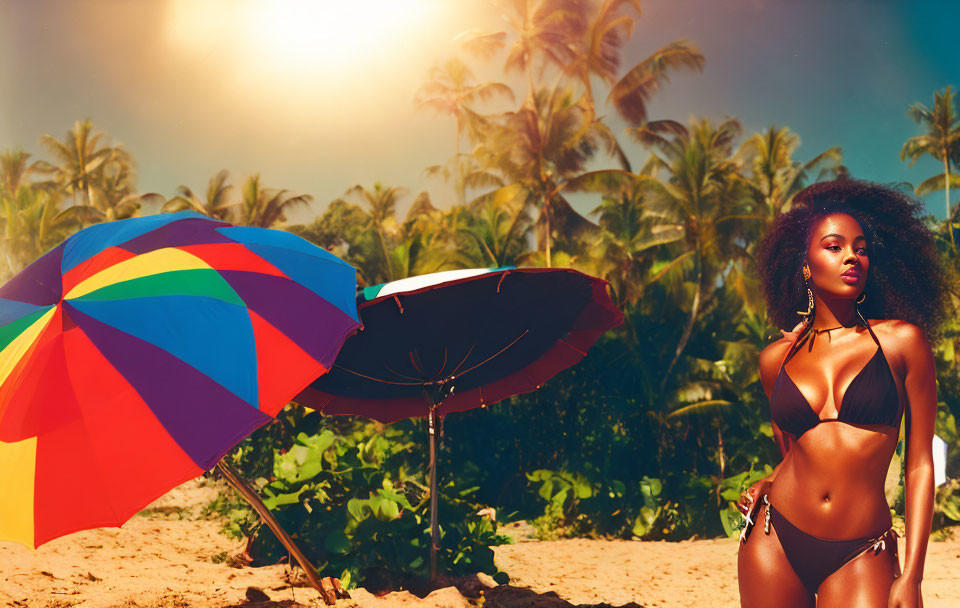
point(937, 183)
point(632, 92)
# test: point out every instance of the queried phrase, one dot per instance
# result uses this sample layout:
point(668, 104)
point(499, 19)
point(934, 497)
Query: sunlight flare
point(297, 36)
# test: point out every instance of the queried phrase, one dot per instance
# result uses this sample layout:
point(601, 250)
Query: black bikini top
point(871, 398)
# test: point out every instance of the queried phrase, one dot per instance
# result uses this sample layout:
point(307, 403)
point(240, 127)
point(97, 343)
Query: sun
point(329, 34)
point(287, 37)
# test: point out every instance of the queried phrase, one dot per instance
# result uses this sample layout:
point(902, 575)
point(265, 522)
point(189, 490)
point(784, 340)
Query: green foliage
point(354, 494)
point(947, 503)
point(581, 505)
point(946, 506)
point(651, 509)
point(563, 493)
point(730, 489)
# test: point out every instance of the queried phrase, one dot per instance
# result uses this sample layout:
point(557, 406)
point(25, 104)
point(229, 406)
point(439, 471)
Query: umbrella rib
point(502, 277)
point(573, 347)
point(421, 380)
point(415, 360)
point(496, 354)
point(378, 379)
point(444, 365)
point(464, 359)
point(323, 406)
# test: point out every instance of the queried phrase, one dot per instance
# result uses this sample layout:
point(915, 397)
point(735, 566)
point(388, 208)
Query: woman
point(864, 271)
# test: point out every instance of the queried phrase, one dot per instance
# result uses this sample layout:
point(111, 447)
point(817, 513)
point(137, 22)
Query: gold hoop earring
point(860, 300)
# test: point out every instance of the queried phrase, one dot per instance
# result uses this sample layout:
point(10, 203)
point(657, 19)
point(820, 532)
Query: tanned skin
point(830, 482)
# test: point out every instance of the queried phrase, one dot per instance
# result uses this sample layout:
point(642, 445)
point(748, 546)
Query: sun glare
point(331, 34)
point(287, 37)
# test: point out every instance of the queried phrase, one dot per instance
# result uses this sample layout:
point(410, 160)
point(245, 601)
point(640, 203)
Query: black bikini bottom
point(814, 558)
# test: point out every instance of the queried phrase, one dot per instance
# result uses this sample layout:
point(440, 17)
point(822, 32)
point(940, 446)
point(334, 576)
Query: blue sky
point(837, 73)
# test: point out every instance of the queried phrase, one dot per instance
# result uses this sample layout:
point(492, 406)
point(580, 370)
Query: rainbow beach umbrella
point(135, 354)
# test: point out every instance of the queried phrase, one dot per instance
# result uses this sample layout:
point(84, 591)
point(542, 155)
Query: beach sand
point(167, 557)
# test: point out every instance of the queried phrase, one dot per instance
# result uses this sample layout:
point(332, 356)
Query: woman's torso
point(831, 484)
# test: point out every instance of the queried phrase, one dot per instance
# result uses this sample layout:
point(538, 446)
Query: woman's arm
point(770, 361)
point(920, 383)
point(784, 442)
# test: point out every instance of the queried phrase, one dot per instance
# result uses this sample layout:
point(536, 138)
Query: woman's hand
point(752, 494)
point(904, 593)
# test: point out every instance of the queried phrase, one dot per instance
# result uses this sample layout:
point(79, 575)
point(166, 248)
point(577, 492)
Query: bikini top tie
point(871, 398)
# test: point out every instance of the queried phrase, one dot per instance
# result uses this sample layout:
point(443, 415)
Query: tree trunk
point(546, 211)
point(946, 175)
point(458, 184)
point(694, 309)
point(386, 256)
point(722, 459)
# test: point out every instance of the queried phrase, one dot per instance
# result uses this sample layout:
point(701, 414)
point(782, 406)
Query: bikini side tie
point(766, 519)
point(881, 543)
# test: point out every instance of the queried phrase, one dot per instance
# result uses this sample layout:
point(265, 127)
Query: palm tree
point(33, 223)
point(45, 225)
point(82, 160)
point(774, 177)
point(15, 171)
point(266, 207)
point(941, 141)
point(30, 216)
point(114, 197)
point(545, 146)
point(622, 252)
point(598, 48)
point(381, 222)
point(584, 39)
point(541, 39)
point(336, 230)
point(703, 194)
point(452, 89)
point(369, 237)
point(495, 229)
point(425, 242)
point(547, 143)
point(466, 173)
point(215, 204)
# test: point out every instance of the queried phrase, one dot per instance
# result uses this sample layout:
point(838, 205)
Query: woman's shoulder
point(900, 334)
point(902, 342)
point(775, 350)
point(770, 358)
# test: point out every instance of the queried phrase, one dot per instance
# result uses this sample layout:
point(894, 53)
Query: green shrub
point(578, 504)
point(354, 494)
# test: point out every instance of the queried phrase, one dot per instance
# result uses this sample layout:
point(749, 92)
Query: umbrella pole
point(250, 496)
point(434, 526)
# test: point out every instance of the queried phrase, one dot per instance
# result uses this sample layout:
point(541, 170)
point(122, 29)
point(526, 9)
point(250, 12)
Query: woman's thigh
point(765, 576)
point(863, 582)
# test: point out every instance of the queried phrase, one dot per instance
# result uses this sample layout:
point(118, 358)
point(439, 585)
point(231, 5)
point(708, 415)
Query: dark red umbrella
point(453, 341)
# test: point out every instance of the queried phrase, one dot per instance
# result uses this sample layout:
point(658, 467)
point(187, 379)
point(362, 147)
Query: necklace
point(823, 331)
point(814, 332)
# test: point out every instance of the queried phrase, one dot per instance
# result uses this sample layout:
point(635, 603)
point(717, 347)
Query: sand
point(169, 557)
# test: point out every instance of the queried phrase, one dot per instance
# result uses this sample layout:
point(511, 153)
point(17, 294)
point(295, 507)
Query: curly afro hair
point(906, 279)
